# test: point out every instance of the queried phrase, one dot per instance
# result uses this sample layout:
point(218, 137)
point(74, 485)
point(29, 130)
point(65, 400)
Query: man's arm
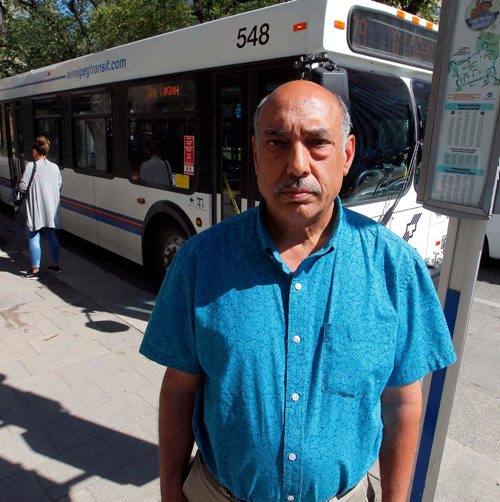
point(401, 410)
point(176, 435)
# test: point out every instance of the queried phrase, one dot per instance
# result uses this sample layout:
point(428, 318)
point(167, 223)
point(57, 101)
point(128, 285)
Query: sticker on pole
point(189, 155)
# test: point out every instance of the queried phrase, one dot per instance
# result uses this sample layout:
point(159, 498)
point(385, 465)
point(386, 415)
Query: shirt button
point(291, 498)
point(296, 338)
point(292, 457)
point(295, 396)
point(298, 286)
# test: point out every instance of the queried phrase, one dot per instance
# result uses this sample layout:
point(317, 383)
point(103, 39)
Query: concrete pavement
point(78, 404)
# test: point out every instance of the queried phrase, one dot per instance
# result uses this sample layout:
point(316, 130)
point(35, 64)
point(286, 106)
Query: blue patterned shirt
point(294, 363)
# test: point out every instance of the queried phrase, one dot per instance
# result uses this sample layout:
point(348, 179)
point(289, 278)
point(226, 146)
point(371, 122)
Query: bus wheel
point(167, 242)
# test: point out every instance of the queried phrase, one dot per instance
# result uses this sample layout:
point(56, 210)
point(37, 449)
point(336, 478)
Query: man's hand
point(401, 410)
point(176, 435)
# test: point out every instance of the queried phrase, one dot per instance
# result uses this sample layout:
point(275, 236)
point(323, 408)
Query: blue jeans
point(36, 250)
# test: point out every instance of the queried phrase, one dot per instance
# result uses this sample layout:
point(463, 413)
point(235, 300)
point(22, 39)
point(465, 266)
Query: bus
point(153, 137)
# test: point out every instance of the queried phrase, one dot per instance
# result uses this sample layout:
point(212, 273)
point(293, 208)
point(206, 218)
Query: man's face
point(298, 154)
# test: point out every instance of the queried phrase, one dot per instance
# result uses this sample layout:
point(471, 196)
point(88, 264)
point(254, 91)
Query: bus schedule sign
point(189, 155)
point(461, 149)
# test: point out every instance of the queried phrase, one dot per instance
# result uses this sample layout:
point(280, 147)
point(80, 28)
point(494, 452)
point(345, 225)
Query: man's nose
point(298, 160)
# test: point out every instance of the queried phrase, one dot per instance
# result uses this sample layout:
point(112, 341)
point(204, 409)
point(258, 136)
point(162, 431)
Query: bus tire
point(167, 241)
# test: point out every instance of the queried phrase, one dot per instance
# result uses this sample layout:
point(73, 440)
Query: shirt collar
point(268, 245)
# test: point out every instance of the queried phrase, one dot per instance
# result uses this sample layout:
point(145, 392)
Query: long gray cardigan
point(42, 201)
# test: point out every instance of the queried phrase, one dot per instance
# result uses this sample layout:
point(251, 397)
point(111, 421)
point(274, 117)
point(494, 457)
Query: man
point(295, 333)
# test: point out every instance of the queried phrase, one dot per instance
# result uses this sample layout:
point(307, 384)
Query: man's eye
point(275, 142)
point(318, 142)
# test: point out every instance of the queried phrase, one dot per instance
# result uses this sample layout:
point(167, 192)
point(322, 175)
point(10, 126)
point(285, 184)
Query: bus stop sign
point(462, 140)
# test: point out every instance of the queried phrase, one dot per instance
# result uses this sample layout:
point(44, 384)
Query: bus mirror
point(335, 81)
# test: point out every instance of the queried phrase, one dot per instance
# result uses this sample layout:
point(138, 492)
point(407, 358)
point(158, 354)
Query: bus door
point(232, 133)
point(15, 141)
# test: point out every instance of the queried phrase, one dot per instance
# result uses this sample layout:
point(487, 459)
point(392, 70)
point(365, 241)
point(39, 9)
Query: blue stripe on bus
point(19, 86)
point(103, 215)
point(433, 404)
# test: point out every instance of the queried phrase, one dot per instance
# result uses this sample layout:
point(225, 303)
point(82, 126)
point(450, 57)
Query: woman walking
point(41, 205)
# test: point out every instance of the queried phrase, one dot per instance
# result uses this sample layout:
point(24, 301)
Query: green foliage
point(38, 33)
point(124, 21)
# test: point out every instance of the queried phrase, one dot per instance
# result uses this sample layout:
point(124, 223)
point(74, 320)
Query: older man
point(296, 333)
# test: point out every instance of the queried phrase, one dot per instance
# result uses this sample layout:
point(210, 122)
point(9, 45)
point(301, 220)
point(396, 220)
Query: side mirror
point(335, 81)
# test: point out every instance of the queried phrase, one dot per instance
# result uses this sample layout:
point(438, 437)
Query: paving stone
point(26, 450)
point(465, 471)
point(151, 394)
point(14, 371)
point(64, 356)
point(57, 341)
point(61, 479)
point(43, 385)
point(15, 300)
point(116, 489)
point(14, 350)
point(77, 400)
point(123, 382)
point(152, 371)
point(79, 495)
point(117, 413)
point(121, 342)
point(100, 366)
point(150, 424)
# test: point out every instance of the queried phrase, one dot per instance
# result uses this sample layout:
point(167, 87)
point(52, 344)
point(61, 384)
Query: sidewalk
point(78, 404)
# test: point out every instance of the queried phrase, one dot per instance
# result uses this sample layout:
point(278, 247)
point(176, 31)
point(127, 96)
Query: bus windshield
point(383, 126)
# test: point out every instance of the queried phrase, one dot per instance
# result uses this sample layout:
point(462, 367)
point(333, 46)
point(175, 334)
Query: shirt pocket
point(356, 360)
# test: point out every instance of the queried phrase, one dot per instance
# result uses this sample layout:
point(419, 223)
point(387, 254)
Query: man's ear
point(349, 151)
point(254, 154)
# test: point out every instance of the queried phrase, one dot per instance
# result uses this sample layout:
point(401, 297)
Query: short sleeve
point(423, 339)
point(170, 336)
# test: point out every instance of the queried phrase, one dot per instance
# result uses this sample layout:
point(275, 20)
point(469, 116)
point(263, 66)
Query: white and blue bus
point(153, 137)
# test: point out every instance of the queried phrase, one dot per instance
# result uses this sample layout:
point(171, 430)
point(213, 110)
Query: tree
point(36, 33)
point(120, 22)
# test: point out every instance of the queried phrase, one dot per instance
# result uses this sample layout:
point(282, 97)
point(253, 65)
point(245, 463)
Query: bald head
point(298, 91)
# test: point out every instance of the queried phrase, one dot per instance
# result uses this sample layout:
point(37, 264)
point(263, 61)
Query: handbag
point(20, 196)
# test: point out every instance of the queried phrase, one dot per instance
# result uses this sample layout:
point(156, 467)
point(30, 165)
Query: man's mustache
point(298, 184)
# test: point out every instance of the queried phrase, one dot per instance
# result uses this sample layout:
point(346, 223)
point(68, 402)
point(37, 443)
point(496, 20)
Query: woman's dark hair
point(41, 145)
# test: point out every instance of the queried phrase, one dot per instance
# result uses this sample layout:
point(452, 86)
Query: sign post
point(459, 178)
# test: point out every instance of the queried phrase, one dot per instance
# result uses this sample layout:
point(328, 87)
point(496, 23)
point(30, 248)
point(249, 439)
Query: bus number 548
point(258, 35)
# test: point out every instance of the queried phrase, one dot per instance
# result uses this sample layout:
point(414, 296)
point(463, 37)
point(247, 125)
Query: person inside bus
point(153, 169)
point(41, 207)
point(296, 333)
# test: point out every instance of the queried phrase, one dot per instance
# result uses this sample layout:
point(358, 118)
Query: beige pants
point(201, 486)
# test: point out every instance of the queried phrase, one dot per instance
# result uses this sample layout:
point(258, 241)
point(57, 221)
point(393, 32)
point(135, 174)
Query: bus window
point(92, 131)
point(161, 129)
point(382, 124)
point(47, 113)
point(231, 102)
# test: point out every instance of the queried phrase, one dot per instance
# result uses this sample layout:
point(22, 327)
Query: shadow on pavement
point(113, 282)
point(489, 271)
point(89, 448)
